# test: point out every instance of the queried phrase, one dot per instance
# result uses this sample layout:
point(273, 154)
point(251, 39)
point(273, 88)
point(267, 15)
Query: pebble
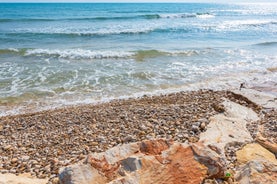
point(4, 171)
point(8, 147)
point(192, 139)
point(195, 128)
point(55, 180)
point(14, 160)
point(202, 125)
point(186, 135)
point(25, 158)
point(13, 171)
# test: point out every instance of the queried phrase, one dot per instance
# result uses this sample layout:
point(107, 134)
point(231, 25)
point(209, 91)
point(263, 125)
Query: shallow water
point(53, 55)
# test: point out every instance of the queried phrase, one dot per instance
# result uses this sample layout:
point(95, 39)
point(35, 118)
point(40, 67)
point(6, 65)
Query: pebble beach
point(40, 143)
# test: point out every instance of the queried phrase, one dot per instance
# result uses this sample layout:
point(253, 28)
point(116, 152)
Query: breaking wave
point(139, 55)
point(267, 44)
point(103, 18)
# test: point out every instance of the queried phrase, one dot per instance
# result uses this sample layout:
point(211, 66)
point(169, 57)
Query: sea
point(63, 54)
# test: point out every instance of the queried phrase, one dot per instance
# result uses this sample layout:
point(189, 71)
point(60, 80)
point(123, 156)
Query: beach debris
point(242, 85)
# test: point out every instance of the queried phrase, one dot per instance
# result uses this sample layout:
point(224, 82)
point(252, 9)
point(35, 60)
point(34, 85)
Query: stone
point(257, 171)
point(254, 152)
point(202, 125)
point(260, 97)
point(4, 171)
point(195, 128)
point(218, 108)
point(256, 165)
point(55, 180)
point(80, 174)
point(128, 138)
point(8, 147)
point(131, 164)
point(14, 160)
point(267, 144)
point(25, 158)
point(13, 171)
point(152, 161)
point(232, 122)
point(211, 159)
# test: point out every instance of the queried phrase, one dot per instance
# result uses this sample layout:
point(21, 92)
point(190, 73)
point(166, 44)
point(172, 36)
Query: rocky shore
point(42, 143)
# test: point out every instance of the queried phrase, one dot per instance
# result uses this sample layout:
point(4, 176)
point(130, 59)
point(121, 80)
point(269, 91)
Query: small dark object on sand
point(242, 86)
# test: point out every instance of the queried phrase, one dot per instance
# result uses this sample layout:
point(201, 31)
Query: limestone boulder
point(254, 151)
point(272, 147)
point(153, 161)
point(229, 127)
point(80, 174)
point(256, 165)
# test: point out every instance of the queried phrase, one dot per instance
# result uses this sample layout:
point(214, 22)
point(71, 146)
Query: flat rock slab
point(229, 126)
point(21, 179)
point(262, 98)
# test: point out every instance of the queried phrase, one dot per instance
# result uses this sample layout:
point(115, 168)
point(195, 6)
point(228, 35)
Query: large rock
point(256, 165)
point(257, 171)
point(267, 144)
point(263, 96)
point(155, 161)
point(254, 151)
point(81, 174)
point(229, 126)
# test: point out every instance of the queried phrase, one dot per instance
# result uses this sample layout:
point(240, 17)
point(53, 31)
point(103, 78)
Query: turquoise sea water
point(64, 54)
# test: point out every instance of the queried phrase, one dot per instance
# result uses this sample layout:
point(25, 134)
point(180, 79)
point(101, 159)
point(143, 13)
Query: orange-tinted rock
point(258, 165)
point(154, 147)
point(267, 144)
point(211, 159)
point(108, 170)
point(151, 162)
point(178, 166)
point(255, 152)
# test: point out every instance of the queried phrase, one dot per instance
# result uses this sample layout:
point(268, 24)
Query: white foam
point(250, 22)
point(224, 82)
point(184, 52)
point(172, 16)
point(13, 49)
point(186, 15)
point(84, 31)
point(79, 53)
point(205, 16)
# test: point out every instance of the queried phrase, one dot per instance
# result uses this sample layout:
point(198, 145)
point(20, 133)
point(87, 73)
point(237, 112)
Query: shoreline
point(226, 82)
